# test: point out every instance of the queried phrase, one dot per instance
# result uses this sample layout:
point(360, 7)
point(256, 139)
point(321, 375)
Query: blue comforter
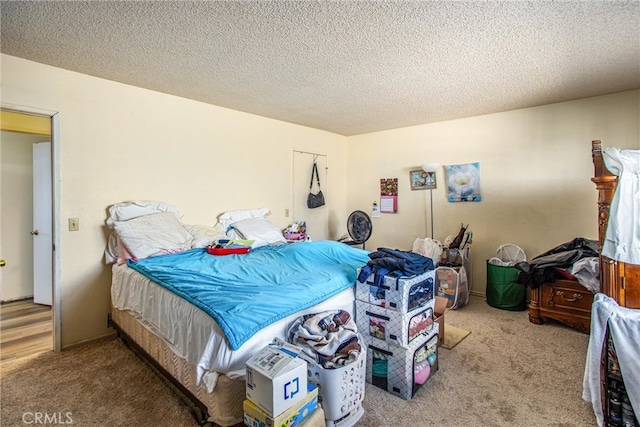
point(245, 293)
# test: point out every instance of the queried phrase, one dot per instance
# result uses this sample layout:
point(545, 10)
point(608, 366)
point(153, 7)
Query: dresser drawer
point(566, 295)
point(563, 300)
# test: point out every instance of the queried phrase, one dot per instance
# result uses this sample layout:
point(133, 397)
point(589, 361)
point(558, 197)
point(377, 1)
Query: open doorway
point(26, 249)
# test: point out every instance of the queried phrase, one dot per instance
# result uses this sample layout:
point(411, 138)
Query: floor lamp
point(430, 183)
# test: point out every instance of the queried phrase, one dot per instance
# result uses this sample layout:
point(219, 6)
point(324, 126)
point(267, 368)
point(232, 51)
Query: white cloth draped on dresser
point(622, 239)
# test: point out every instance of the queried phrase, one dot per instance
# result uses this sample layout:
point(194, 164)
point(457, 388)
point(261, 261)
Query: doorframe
point(55, 207)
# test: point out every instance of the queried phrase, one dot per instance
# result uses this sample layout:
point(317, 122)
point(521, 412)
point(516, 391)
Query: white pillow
point(261, 230)
point(115, 251)
point(136, 208)
point(155, 234)
point(111, 251)
point(226, 219)
point(202, 235)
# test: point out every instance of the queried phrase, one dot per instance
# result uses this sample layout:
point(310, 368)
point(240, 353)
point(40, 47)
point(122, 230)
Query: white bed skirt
point(224, 404)
point(193, 335)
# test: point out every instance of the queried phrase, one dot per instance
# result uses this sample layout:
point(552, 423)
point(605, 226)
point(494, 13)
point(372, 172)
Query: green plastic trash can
point(503, 291)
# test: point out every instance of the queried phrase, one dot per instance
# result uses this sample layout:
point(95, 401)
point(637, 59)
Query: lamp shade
point(430, 167)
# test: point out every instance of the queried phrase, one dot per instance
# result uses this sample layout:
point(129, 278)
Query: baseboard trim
point(9, 301)
point(107, 337)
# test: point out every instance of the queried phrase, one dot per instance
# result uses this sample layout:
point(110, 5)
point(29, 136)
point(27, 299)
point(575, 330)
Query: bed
point(198, 317)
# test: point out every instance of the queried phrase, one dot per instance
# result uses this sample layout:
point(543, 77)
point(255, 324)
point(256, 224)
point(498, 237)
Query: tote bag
point(315, 200)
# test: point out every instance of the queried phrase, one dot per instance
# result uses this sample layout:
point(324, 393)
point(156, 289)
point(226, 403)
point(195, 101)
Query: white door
point(42, 224)
point(16, 214)
point(2, 261)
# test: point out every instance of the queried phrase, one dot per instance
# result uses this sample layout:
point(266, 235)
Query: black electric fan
point(359, 227)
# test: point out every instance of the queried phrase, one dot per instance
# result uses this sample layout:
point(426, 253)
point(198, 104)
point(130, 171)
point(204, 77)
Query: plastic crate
point(378, 323)
point(403, 370)
point(397, 293)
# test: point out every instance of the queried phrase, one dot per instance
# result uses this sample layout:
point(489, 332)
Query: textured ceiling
point(348, 67)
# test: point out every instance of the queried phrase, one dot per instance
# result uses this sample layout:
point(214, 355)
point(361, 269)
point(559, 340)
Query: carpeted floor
point(100, 384)
point(506, 372)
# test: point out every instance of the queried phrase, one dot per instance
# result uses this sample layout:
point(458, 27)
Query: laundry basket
point(503, 291)
point(452, 284)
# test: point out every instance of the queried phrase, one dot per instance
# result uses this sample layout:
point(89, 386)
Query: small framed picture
point(421, 180)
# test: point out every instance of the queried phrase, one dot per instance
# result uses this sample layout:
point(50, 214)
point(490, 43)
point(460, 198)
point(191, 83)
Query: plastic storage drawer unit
point(403, 370)
point(397, 293)
point(378, 323)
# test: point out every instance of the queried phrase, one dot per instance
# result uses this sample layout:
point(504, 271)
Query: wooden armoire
point(619, 280)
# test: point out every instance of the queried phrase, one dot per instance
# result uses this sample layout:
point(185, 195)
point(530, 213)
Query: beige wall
point(119, 143)
point(535, 168)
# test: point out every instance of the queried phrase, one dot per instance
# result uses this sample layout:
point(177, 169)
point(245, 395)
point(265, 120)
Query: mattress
point(192, 334)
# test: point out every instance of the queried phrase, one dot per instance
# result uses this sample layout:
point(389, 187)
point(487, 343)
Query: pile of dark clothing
point(543, 268)
point(403, 263)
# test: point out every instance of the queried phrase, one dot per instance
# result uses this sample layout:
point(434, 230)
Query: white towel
point(624, 328)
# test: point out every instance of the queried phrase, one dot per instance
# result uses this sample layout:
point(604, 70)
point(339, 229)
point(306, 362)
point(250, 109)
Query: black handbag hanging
point(315, 200)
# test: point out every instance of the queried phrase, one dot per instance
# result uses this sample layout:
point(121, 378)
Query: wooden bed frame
point(619, 280)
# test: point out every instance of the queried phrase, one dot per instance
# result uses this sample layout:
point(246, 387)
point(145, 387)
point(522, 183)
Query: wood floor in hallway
point(25, 329)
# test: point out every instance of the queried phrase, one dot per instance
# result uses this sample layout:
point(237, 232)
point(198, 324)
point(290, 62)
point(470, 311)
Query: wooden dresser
point(618, 280)
point(564, 300)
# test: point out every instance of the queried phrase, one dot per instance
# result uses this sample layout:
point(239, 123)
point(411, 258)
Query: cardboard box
point(397, 293)
point(438, 316)
point(294, 416)
point(403, 370)
point(379, 323)
point(276, 379)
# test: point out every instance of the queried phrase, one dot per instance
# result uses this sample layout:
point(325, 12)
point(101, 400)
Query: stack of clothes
point(403, 263)
point(578, 258)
